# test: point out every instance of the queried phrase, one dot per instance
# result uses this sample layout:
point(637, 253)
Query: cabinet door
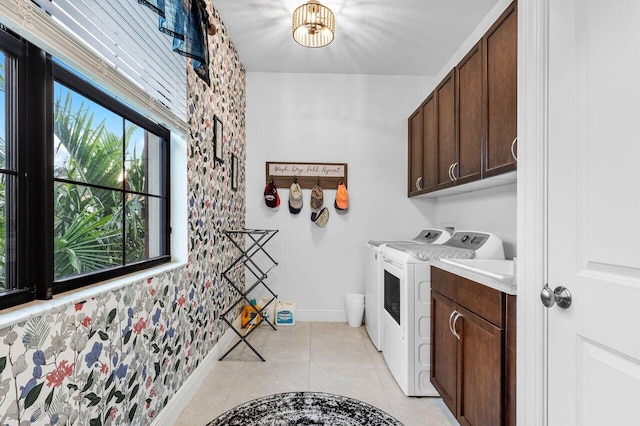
point(480, 371)
point(443, 350)
point(445, 106)
point(470, 124)
point(429, 144)
point(501, 47)
point(414, 184)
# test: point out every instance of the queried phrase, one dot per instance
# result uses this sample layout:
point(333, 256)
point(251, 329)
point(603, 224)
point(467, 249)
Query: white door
point(594, 212)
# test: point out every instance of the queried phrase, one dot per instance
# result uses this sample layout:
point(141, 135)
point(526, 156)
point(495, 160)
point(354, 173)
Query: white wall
point(490, 210)
point(357, 119)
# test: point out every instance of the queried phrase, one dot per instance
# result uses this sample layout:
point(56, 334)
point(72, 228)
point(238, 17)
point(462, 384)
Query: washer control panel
point(428, 236)
point(432, 236)
point(467, 240)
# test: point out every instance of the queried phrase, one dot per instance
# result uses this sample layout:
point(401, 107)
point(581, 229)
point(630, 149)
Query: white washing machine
point(373, 279)
point(406, 313)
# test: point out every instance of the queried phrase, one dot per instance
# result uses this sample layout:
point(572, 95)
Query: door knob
point(561, 295)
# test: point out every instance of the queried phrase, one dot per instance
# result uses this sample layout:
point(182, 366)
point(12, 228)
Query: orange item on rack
point(250, 317)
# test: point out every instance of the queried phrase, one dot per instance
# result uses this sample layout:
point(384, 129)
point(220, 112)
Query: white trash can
point(354, 305)
point(354, 298)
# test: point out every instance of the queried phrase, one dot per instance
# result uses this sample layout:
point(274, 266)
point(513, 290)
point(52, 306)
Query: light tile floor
point(310, 356)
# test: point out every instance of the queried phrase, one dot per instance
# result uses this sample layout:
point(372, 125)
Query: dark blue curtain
point(187, 22)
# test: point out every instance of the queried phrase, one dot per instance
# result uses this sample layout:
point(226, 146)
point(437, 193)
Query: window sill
point(17, 314)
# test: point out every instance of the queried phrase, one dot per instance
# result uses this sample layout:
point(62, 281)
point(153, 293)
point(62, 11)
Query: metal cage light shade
point(313, 25)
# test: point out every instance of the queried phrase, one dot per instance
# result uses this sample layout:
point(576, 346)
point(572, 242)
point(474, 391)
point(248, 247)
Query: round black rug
point(305, 408)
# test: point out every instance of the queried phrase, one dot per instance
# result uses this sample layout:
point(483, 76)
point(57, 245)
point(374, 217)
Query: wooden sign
point(328, 175)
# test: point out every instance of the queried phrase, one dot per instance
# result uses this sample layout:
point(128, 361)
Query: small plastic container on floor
point(268, 309)
point(250, 317)
point(286, 313)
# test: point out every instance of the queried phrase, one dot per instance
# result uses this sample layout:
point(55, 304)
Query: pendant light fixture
point(313, 25)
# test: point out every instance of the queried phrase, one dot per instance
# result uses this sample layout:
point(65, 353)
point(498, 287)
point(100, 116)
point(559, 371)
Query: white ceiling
point(393, 37)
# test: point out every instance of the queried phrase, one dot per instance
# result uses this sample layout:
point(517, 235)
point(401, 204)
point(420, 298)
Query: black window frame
point(15, 116)
point(34, 272)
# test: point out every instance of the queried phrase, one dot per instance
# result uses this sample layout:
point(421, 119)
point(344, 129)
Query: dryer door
point(394, 299)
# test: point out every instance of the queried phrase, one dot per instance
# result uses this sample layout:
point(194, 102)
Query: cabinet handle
point(452, 323)
point(450, 170)
point(419, 183)
point(453, 171)
point(453, 328)
point(513, 152)
point(453, 313)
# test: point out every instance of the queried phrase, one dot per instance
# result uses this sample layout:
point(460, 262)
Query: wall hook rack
point(306, 174)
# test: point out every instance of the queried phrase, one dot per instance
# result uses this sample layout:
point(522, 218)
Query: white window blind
point(126, 34)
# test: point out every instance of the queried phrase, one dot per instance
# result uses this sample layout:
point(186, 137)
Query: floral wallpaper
point(119, 358)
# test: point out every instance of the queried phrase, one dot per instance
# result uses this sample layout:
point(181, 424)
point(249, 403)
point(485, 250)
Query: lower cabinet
point(444, 348)
point(470, 365)
point(480, 378)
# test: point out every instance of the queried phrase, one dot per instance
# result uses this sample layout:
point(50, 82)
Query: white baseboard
point(320, 315)
point(171, 412)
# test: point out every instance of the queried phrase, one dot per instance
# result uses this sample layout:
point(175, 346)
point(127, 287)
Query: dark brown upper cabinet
point(415, 153)
point(470, 117)
point(446, 117)
point(423, 148)
point(501, 92)
point(466, 129)
point(429, 144)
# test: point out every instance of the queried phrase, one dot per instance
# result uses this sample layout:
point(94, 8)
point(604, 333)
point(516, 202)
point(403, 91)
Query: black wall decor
point(218, 137)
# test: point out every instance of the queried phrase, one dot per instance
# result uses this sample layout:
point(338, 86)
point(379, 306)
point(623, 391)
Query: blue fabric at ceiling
point(186, 21)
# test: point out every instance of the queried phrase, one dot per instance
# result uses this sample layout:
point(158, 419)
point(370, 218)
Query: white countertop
point(496, 274)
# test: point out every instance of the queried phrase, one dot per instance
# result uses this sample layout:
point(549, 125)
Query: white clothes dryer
point(373, 279)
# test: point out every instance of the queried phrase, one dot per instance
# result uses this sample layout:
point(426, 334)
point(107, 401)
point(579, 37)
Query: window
point(5, 175)
point(90, 201)
point(12, 56)
point(8, 170)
